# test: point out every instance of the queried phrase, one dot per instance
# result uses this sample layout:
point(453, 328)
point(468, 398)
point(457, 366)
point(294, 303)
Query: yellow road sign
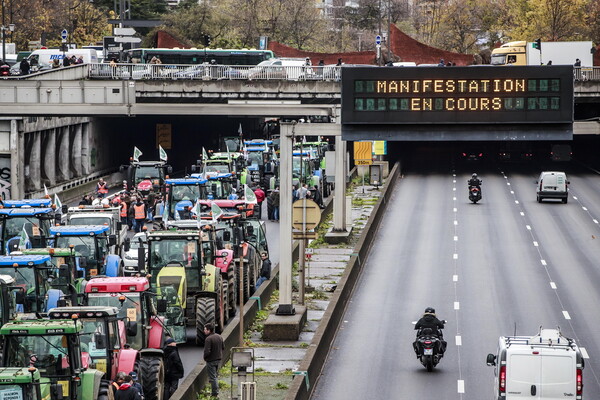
point(363, 153)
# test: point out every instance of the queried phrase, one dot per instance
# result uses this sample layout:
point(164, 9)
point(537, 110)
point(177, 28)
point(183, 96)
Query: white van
point(546, 366)
point(45, 57)
point(552, 185)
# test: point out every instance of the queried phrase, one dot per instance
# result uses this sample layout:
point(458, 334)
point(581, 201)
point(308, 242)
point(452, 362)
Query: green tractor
point(53, 348)
point(25, 383)
point(183, 271)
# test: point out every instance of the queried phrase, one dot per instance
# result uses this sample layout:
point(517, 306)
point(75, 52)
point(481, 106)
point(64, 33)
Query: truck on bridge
point(559, 53)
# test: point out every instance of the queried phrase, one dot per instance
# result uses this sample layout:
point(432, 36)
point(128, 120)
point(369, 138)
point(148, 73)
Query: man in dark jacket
point(265, 270)
point(173, 367)
point(127, 391)
point(213, 352)
point(24, 67)
point(430, 320)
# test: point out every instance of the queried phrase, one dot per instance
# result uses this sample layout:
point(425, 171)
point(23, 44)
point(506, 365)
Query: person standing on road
point(260, 197)
point(101, 188)
point(127, 391)
point(24, 67)
point(136, 384)
point(139, 215)
point(302, 191)
point(173, 367)
point(274, 197)
point(317, 196)
point(213, 353)
point(117, 382)
point(265, 270)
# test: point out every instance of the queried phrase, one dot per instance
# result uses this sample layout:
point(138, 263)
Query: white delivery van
point(552, 185)
point(47, 56)
point(546, 366)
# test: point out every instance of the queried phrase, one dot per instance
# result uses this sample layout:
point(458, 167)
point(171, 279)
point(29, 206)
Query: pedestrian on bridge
point(24, 67)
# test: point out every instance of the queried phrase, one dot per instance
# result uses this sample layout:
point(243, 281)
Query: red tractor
point(145, 328)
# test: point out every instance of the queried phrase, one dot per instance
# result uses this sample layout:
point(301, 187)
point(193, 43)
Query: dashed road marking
point(455, 278)
point(461, 386)
point(457, 305)
point(454, 189)
point(553, 285)
point(595, 221)
point(566, 314)
point(453, 180)
point(574, 197)
point(455, 222)
point(458, 341)
point(584, 352)
point(528, 227)
point(507, 183)
point(456, 238)
point(454, 198)
point(516, 201)
point(455, 256)
point(535, 243)
point(512, 192)
point(455, 209)
point(543, 262)
point(522, 214)
point(584, 208)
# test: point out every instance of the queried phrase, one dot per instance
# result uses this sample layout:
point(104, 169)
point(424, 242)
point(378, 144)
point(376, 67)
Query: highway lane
point(507, 263)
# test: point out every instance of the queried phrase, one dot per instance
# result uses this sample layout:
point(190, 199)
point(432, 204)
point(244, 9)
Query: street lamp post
point(4, 28)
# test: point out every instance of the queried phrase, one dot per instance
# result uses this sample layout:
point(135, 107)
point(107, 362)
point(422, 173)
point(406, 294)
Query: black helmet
point(474, 176)
point(430, 310)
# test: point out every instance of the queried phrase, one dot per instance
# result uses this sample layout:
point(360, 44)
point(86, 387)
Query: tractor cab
point(53, 348)
point(35, 222)
point(144, 176)
point(34, 275)
point(181, 199)
point(93, 243)
point(22, 383)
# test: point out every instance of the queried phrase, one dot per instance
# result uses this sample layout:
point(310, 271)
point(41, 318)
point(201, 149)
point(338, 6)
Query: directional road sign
point(378, 39)
point(128, 39)
point(306, 215)
point(124, 31)
point(64, 34)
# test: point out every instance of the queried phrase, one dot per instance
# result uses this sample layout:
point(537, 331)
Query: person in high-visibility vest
point(124, 211)
point(139, 214)
point(101, 188)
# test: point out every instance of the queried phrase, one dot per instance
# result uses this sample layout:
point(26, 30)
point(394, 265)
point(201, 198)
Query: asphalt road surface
point(505, 264)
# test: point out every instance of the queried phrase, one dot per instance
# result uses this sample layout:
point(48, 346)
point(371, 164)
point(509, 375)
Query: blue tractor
point(93, 243)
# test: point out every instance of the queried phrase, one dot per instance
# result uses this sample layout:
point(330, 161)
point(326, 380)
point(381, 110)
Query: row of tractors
point(70, 318)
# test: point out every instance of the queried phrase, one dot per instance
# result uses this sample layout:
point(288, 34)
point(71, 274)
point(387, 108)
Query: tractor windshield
point(86, 246)
point(34, 226)
point(216, 169)
point(49, 354)
point(35, 283)
point(143, 172)
point(255, 157)
point(94, 342)
point(95, 220)
point(219, 189)
point(163, 252)
point(131, 310)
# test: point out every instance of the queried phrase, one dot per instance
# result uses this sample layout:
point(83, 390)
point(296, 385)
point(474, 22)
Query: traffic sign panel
point(128, 39)
point(306, 214)
point(124, 31)
point(64, 34)
point(363, 153)
point(378, 39)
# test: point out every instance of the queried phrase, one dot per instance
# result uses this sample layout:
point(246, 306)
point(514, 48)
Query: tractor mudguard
point(223, 263)
point(152, 352)
point(127, 359)
point(209, 281)
point(113, 262)
point(54, 295)
point(122, 332)
point(156, 332)
point(90, 385)
point(211, 295)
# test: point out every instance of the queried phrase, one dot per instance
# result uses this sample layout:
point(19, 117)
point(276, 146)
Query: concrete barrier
point(319, 347)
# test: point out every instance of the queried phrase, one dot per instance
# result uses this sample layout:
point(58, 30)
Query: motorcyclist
point(474, 181)
point(430, 320)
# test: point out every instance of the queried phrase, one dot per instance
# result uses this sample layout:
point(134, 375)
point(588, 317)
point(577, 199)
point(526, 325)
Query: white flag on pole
point(46, 192)
point(249, 195)
point(136, 154)
point(216, 211)
point(57, 202)
point(162, 153)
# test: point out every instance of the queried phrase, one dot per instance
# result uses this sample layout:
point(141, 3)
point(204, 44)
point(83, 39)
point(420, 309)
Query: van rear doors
point(541, 373)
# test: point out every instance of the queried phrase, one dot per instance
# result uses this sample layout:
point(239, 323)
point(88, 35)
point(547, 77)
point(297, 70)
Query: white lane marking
point(455, 256)
point(458, 341)
point(454, 189)
point(535, 244)
point(457, 305)
point(553, 285)
point(528, 227)
point(508, 183)
point(543, 262)
point(456, 238)
point(455, 222)
point(453, 180)
point(584, 352)
point(455, 278)
point(512, 192)
point(454, 198)
point(584, 208)
point(516, 201)
point(455, 209)
point(574, 197)
point(595, 221)
point(522, 214)
point(454, 175)
point(461, 386)
point(505, 177)
point(566, 314)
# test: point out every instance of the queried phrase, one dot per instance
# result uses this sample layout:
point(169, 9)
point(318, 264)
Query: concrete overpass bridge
point(63, 126)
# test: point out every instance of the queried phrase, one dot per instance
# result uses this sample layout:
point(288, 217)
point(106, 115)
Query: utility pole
point(389, 37)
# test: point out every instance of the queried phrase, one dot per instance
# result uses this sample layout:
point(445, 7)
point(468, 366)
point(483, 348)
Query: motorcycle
point(474, 194)
point(430, 347)
point(4, 70)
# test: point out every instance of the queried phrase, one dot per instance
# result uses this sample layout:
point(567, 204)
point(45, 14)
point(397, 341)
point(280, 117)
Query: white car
point(130, 258)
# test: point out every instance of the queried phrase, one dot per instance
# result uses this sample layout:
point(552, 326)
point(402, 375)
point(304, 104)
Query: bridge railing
point(213, 72)
point(587, 73)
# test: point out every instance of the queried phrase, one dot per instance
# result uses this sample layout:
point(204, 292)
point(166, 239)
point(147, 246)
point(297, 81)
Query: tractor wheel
point(225, 302)
point(252, 283)
point(232, 292)
point(152, 374)
point(244, 282)
point(103, 390)
point(206, 311)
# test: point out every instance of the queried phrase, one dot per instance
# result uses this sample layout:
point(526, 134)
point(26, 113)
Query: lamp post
point(4, 28)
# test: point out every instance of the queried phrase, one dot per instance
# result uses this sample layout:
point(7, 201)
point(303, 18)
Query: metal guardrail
point(583, 74)
point(213, 72)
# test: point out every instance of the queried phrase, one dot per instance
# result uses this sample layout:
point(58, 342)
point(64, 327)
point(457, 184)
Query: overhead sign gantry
point(457, 103)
